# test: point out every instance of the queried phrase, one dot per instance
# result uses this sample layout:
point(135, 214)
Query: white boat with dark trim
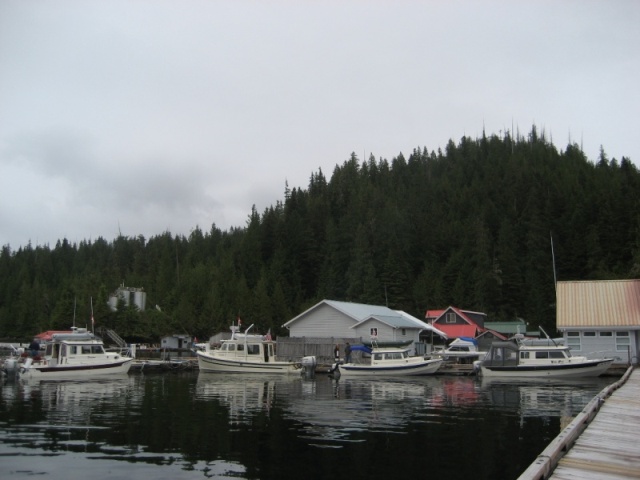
point(520, 359)
point(74, 355)
point(387, 362)
point(461, 350)
point(247, 353)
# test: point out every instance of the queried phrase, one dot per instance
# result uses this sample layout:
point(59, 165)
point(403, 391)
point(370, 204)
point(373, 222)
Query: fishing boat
point(74, 355)
point(387, 362)
point(248, 353)
point(520, 358)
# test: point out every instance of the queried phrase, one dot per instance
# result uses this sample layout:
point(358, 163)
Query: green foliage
point(469, 227)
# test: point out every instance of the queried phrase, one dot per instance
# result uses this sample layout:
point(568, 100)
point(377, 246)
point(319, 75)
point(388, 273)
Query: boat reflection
point(562, 398)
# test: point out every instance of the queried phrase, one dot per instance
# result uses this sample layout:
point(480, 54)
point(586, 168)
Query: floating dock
point(601, 443)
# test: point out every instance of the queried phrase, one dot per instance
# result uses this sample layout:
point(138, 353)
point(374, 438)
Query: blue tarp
point(360, 348)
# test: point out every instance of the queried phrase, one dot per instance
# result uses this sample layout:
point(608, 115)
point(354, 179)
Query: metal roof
point(604, 304)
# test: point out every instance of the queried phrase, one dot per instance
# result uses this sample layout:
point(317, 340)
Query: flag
point(267, 337)
point(239, 321)
point(93, 322)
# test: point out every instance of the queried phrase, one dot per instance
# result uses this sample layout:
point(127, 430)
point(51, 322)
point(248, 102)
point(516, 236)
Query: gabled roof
point(362, 313)
point(593, 304)
point(461, 313)
point(454, 331)
point(357, 311)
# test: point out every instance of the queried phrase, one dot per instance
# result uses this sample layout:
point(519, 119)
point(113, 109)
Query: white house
point(601, 317)
point(331, 318)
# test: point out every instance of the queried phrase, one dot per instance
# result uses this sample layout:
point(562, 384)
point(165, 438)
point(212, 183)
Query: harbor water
point(190, 425)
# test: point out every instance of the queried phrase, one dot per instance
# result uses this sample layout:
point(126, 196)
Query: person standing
point(336, 354)
point(347, 353)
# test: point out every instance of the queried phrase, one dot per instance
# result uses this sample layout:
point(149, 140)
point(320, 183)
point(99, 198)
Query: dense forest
point(485, 225)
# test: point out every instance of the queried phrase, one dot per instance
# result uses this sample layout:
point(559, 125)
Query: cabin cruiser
point(77, 354)
point(461, 350)
point(385, 362)
point(248, 353)
point(525, 358)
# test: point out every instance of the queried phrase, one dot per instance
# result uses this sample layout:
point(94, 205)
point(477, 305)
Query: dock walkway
point(602, 442)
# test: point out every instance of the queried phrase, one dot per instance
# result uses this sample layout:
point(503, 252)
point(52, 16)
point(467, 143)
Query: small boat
point(248, 353)
point(74, 355)
point(520, 358)
point(387, 362)
point(461, 350)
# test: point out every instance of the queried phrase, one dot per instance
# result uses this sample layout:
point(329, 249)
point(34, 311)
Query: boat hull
point(75, 372)
point(428, 367)
point(211, 363)
point(592, 368)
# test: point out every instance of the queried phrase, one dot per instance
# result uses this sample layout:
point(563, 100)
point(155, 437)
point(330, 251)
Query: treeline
point(477, 226)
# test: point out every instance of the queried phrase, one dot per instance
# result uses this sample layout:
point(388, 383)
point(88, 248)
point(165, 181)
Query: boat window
point(253, 349)
point(405, 354)
point(86, 349)
point(393, 356)
point(377, 356)
point(542, 354)
point(97, 349)
point(557, 354)
point(524, 355)
point(232, 347)
point(240, 347)
point(73, 350)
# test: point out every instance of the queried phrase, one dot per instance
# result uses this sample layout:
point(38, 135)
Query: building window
point(451, 318)
point(404, 332)
point(573, 340)
point(589, 334)
point(622, 341)
point(374, 332)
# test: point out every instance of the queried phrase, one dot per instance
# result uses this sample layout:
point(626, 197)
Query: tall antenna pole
point(553, 259)
point(74, 311)
point(92, 320)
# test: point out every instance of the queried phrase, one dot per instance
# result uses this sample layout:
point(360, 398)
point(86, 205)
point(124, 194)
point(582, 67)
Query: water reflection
point(181, 425)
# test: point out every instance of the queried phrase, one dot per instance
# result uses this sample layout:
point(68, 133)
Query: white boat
point(461, 350)
point(387, 362)
point(521, 359)
point(74, 355)
point(246, 353)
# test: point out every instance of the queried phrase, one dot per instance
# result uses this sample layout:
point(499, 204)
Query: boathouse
point(331, 321)
point(601, 317)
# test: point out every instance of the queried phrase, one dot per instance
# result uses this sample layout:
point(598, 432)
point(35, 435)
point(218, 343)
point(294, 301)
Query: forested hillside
point(470, 226)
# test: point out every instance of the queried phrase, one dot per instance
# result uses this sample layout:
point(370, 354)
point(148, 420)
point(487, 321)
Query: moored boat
point(520, 359)
point(461, 350)
point(387, 362)
point(74, 355)
point(247, 353)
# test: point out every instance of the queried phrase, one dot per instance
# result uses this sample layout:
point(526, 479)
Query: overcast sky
point(140, 117)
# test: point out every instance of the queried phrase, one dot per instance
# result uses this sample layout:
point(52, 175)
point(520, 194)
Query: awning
point(431, 328)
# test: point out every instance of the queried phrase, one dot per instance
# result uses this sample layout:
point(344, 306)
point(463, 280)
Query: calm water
point(193, 426)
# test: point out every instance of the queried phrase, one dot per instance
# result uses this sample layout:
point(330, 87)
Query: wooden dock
point(602, 442)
